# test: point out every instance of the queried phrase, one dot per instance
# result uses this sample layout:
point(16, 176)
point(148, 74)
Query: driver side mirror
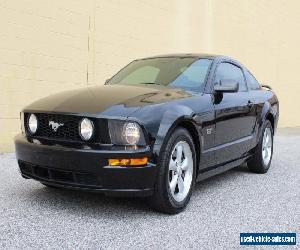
point(226, 86)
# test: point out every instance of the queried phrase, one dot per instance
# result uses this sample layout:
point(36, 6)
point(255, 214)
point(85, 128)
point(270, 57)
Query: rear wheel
point(176, 176)
point(261, 160)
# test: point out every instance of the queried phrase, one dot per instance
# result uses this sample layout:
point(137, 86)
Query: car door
point(234, 116)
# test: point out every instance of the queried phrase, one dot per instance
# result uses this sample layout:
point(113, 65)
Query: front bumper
point(84, 168)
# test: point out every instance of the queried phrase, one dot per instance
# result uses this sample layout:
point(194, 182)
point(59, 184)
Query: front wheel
point(261, 160)
point(176, 176)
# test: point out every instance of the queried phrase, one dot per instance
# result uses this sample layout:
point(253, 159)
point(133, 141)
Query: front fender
point(170, 119)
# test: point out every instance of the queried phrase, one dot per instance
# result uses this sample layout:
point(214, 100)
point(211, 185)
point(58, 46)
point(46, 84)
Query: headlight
point(125, 133)
point(86, 129)
point(131, 132)
point(32, 123)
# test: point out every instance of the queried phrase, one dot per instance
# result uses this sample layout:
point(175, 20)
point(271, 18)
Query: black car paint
point(225, 128)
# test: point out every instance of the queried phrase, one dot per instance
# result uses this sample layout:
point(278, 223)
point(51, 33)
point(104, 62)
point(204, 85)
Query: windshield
point(187, 73)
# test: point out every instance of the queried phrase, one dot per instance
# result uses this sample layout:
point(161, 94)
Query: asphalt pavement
point(34, 216)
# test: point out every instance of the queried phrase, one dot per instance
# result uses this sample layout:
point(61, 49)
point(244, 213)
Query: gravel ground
point(33, 216)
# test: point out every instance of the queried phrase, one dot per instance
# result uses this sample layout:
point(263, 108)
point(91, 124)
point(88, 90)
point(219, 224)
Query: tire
point(171, 169)
point(260, 162)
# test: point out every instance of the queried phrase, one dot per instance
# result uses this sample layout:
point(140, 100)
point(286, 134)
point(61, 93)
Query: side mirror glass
point(226, 86)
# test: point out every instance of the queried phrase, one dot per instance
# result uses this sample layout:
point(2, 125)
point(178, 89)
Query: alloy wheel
point(181, 169)
point(267, 146)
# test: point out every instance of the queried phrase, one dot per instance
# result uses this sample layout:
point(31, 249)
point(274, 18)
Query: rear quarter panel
point(266, 103)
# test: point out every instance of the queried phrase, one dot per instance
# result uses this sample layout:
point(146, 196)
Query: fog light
point(32, 124)
point(128, 162)
point(86, 129)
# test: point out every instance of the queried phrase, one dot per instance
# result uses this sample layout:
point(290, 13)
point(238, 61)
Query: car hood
point(110, 100)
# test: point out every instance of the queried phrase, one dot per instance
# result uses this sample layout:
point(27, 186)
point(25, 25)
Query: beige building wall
point(49, 46)
point(265, 37)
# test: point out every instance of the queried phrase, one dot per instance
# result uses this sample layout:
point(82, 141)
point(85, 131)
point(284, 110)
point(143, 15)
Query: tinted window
point(228, 71)
point(186, 73)
point(193, 76)
point(252, 82)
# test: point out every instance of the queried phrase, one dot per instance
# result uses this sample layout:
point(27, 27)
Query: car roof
point(184, 55)
point(195, 55)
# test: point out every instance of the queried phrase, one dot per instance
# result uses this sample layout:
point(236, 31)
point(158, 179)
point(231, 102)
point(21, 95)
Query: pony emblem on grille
point(55, 125)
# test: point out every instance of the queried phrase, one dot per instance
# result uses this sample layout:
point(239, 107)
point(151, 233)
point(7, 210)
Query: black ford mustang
point(154, 129)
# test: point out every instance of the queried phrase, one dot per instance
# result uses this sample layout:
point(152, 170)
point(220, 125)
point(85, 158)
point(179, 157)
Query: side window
point(192, 77)
point(252, 82)
point(228, 71)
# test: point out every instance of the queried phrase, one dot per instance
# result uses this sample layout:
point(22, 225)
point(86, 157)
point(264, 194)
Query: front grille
point(58, 175)
point(69, 129)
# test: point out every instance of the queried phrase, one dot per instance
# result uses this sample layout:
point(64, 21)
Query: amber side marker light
point(128, 162)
